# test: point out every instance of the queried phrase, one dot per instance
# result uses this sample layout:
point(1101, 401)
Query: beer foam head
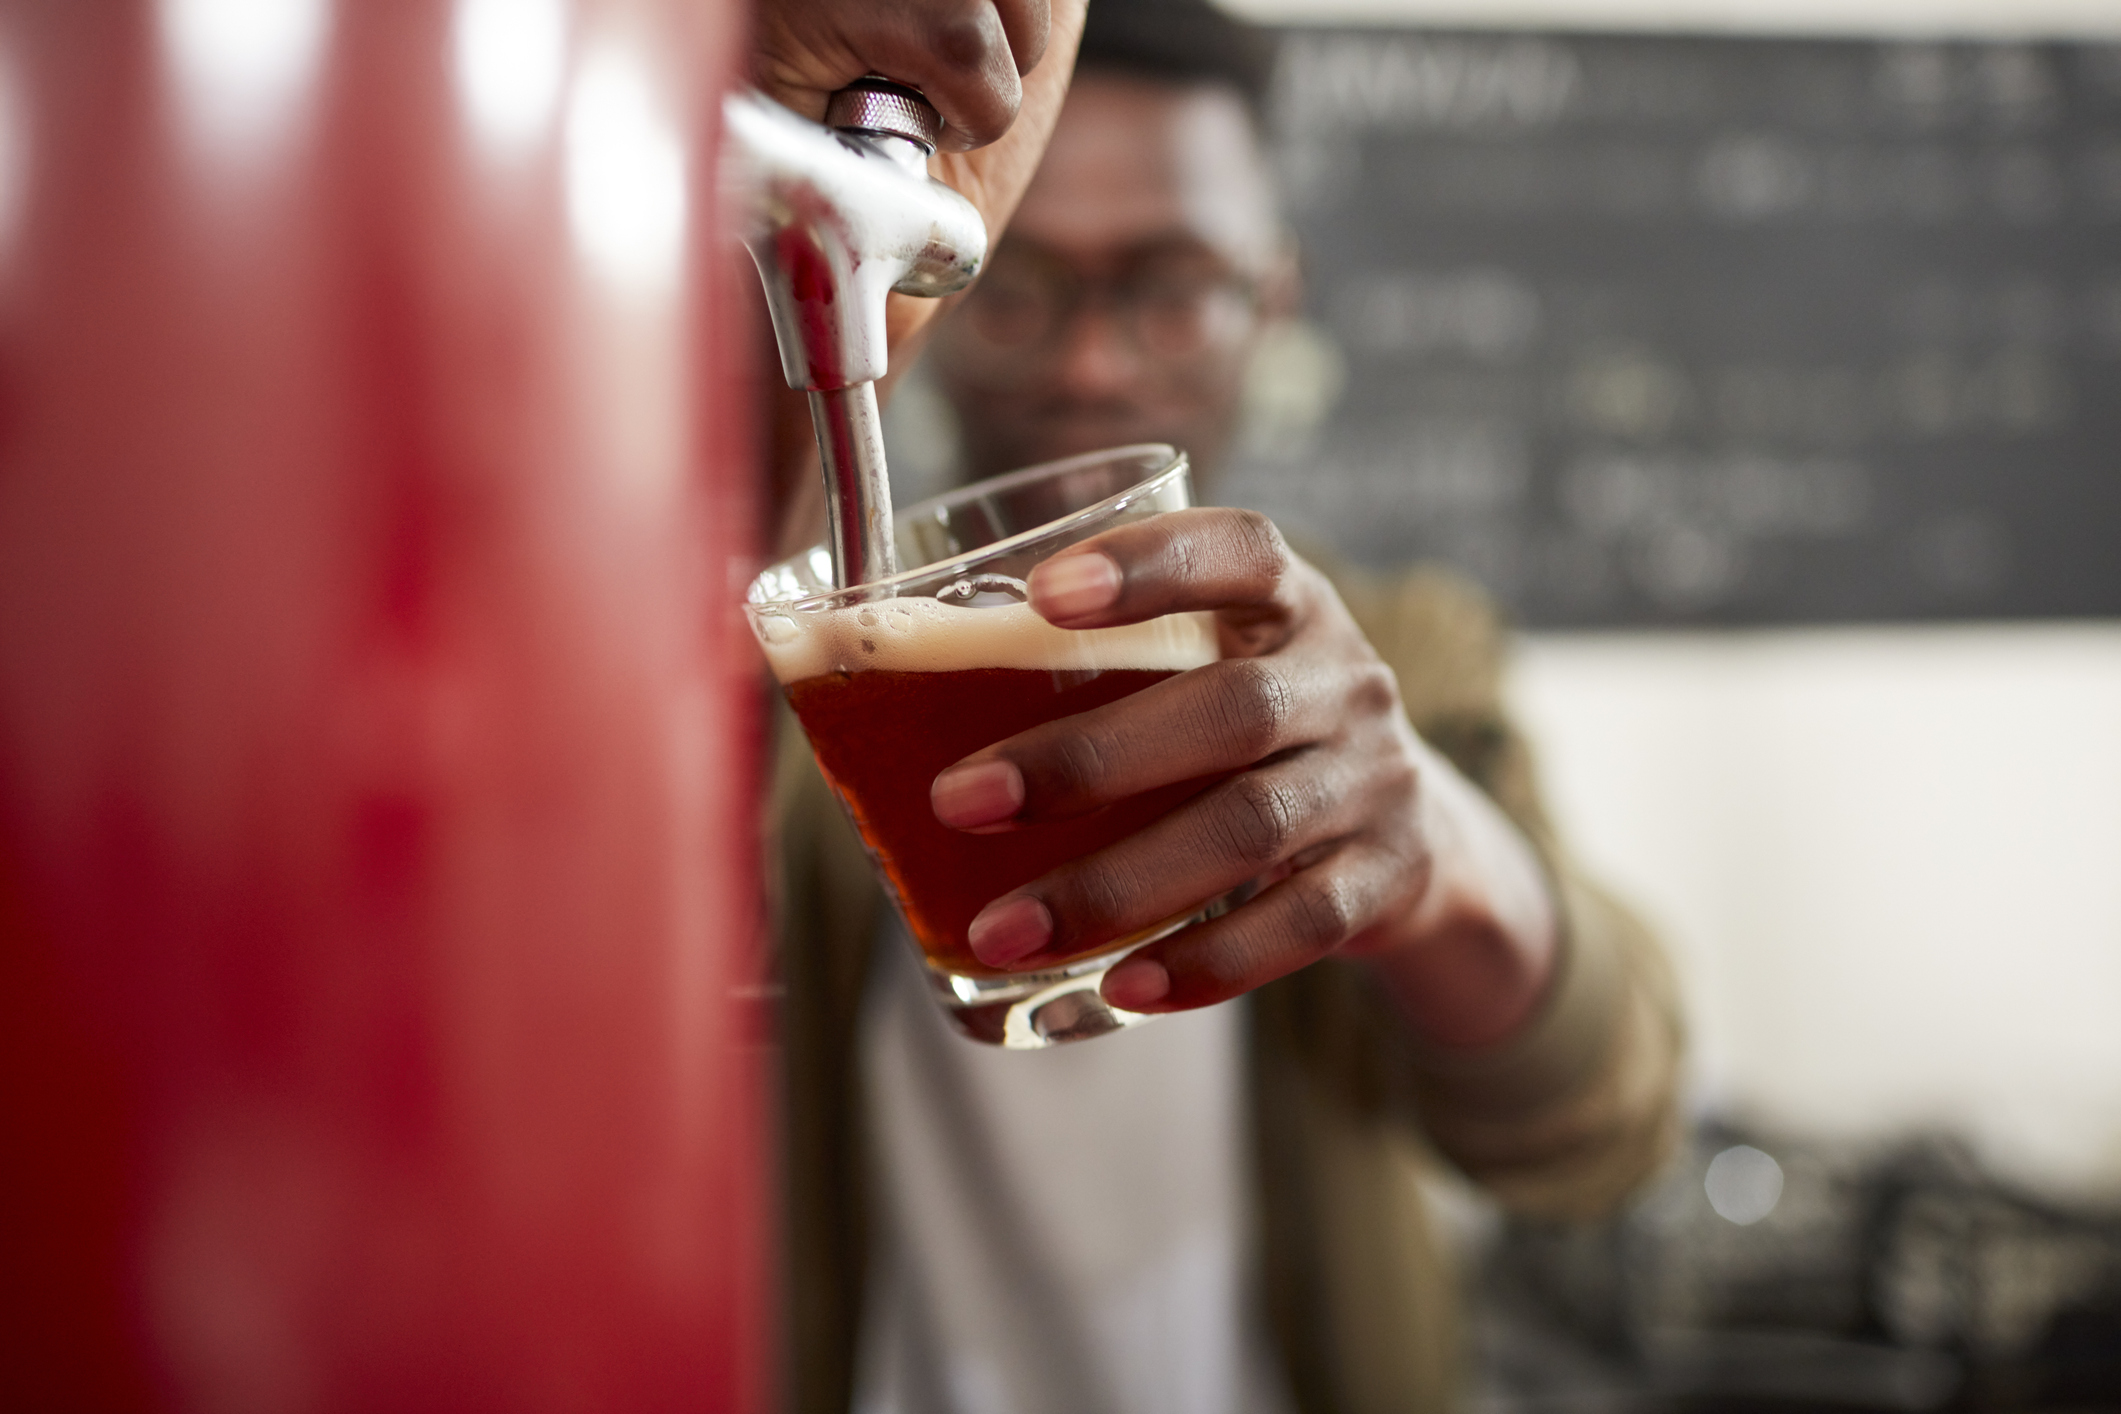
point(926, 636)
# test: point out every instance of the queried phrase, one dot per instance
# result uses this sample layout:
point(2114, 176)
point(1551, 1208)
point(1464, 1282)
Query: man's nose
point(1096, 357)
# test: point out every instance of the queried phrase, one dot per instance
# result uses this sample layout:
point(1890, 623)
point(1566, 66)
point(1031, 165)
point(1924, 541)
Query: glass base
point(1029, 1011)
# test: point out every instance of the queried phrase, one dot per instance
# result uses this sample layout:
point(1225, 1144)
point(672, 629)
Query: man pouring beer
point(1219, 1211)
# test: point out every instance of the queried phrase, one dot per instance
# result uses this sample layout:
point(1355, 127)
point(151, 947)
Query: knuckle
point(1260, 544)
point(1390, 786)
point(1261, 821)
point(970, 53)
point(1082, 762)
point(1029, 23)
point(963, 34)
point(1322, 909)
point(1400, 775)
point(1184, 562)
point(1248, 958)
point(1253, 710)
point(1095, 898)
point(1375, 688)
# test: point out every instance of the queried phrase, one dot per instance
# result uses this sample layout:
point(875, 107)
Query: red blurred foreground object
point(377, 907)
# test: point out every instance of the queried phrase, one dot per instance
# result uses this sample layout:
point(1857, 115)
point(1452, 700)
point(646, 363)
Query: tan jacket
point(1345, 1106)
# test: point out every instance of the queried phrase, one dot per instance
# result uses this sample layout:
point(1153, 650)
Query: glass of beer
point(896, 680)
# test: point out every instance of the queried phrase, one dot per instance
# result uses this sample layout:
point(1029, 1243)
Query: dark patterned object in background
point(1728, 331)
point(1767, 1275)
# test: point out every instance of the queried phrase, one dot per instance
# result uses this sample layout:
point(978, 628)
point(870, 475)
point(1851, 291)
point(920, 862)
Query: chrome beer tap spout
point(840, 217)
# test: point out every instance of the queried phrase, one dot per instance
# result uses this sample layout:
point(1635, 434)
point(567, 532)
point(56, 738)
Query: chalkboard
point(1705, 330)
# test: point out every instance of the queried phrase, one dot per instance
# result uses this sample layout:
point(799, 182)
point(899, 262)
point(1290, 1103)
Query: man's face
point(1126, 298)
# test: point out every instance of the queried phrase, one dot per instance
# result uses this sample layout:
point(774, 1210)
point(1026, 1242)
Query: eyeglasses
point(1170, 304)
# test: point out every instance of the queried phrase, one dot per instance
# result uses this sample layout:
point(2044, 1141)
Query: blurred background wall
point(1812, 333)
point(1886, 858)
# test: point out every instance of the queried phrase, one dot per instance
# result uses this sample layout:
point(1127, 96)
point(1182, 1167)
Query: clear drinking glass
point(893, 681)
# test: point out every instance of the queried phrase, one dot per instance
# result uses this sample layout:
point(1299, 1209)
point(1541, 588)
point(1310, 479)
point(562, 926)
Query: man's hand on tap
point(968, 56)
point(998, 72)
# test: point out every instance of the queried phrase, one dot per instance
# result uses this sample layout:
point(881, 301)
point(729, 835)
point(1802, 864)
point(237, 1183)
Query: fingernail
point(1074, 585)
point(1009, 929)
point(1137, 983)
point(977, 793)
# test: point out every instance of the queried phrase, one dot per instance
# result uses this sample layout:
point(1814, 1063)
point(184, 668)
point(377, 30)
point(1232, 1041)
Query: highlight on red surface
point(379, 940)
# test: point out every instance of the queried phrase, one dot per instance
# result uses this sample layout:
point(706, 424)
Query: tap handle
point(877, 107)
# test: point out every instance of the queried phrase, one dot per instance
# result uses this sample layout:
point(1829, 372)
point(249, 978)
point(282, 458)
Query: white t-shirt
point(1062, 1231)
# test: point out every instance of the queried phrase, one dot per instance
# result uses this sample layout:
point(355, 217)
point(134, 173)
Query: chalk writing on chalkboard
point(1670, 330)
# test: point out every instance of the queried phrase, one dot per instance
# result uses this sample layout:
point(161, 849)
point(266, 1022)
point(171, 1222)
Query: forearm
point(806, 50)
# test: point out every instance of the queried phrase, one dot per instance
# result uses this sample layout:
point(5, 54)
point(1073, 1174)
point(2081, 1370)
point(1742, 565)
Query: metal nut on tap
point(880, 108)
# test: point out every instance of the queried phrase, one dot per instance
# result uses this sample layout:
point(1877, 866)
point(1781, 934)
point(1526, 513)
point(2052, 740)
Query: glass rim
point(1173, 462)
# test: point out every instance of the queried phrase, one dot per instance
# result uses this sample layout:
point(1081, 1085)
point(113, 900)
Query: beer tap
point(839, 217)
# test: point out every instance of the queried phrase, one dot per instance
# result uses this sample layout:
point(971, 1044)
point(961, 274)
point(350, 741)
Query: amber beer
point(891, 694)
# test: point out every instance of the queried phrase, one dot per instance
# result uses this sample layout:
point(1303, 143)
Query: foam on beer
point(927, 636)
